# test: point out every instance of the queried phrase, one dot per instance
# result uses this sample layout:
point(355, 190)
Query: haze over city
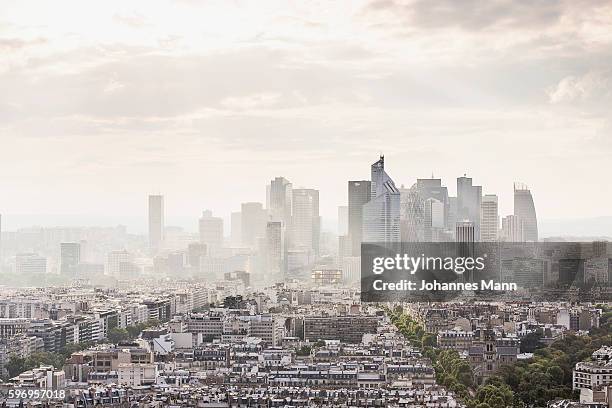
point(205, 102)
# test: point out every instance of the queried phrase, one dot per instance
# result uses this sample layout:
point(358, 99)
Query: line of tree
point(532, 383)
point(17, 365)
point(118, 335)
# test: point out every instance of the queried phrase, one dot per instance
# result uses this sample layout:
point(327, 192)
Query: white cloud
point(594, 86)
point(261, 100)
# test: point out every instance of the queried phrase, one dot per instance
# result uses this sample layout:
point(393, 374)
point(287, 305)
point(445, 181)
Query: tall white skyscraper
point(305, 225)
point(433, 219)
point(211, 231)
point(381, 215)
point(275, 252)
point(359, 193)
point(236, 228)
point(512, 229)
point(280, 195)
point(525, 209)
point(253, 223)
point(433, 188)
point(469, 198)
point(343, 218)
point(156, 222)
point(489, 218)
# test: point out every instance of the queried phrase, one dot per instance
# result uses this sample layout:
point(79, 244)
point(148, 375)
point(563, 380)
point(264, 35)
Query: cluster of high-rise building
point(283, 239)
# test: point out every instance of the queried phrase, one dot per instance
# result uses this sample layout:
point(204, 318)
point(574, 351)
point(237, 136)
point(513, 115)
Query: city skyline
point(100, 110)
point(137, 223)
point(341, 203)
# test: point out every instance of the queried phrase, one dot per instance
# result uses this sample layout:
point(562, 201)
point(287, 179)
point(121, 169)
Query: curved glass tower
point(381, 215)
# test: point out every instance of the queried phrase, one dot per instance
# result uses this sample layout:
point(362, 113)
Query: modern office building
point(114, 261)
point(236, 228)
point(253, 223)
point(512, 229)
point(275, 252)
point(347, 329)
point(359, 193)
point(433, 188)
point(469, 198)
point(211, 231)
point(280, 200)
point(433, 219)
point(195, 252)
point(465, 232)
point(381, 215)
point(489, 218)
point(343, 219)
point(306, 223)
point(70, 257)
point(412, 215)
point(525, 209)
point(156, 222)
point(30, 263)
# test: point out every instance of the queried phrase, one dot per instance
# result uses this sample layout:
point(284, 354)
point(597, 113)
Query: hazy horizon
point(591, 227)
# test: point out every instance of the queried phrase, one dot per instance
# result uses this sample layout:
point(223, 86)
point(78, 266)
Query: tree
point(429, 340)
point(531, 342)
point(116, 335)
point(15, 366)
point(304, 351)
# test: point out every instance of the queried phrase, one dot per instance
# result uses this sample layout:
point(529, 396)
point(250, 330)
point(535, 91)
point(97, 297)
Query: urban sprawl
point(271, 314)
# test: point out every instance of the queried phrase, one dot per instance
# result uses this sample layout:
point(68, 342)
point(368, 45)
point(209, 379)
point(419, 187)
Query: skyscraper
point(381, 215)
point(280, 200)
point(412, 214)
point(489, 218)
point(211, 231)
point(195, 252)
point(253, 223)
point(117, 261)
point(433, 219)
point(469, 198)
point(512, 229)
point(465, 237)
point(525, 210)
point(306, 224)
point(236, 228)
point(342, 220)
point(275, 252)
point(359, 193)
point(464, 232)
point(433, 188)
point(156, 222)
point(70, 257)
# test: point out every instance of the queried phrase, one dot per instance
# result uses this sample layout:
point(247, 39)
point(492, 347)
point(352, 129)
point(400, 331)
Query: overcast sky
point(104, 102)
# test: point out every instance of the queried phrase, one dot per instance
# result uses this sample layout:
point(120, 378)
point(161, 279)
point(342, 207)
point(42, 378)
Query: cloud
point(133, 20)
point(474, 15)
point(472, 31)
point(595, 86)
point(251, 101)
point(14, 44)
